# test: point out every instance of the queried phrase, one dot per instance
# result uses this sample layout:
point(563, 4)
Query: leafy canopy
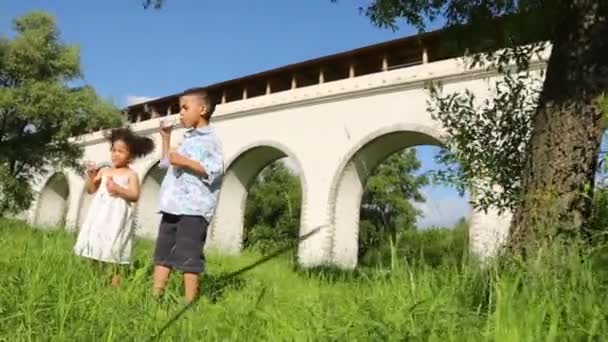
point(39, 110)
point(272, 213)
point(386, 206)
point(487, 139)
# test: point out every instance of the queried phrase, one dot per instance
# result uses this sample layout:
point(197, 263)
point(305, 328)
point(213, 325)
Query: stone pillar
point(351, 70)
point(225, 234)
point(294, 82)
point(316, 214)
point(345, 246)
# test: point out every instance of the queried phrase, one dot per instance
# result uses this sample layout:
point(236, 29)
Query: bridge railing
point(396, 54)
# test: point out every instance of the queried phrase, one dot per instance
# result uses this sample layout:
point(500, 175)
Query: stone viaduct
point(336, 117)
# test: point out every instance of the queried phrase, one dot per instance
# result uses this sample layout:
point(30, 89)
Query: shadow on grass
point(214, 286)
point(333, 274)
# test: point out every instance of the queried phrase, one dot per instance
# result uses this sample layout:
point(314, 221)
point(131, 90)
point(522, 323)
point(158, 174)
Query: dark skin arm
point(93, 180)
point(180, 161)
point(130, 193)
point(176, 159)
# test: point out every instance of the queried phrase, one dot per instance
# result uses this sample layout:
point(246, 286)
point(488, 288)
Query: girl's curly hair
point(138, 146)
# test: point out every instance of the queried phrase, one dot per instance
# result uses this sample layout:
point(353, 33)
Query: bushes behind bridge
point(273, 214)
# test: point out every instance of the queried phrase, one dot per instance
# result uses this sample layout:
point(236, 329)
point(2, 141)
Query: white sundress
point(106, 233)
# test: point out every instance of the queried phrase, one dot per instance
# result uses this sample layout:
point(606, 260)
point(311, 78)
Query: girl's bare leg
point(116, 280)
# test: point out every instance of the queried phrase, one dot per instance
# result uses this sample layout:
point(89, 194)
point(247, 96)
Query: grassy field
point(48, 294)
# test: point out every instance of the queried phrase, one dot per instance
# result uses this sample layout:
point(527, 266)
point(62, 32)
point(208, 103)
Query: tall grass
point(46, 293)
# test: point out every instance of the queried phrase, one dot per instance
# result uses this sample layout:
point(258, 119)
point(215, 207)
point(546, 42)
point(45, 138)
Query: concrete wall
point(335, 132)
point(147, 217)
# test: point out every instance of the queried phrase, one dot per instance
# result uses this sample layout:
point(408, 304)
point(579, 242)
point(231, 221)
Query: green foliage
point(272, 213)
point(478, 27)
point(386, 208)
point(46, 293)
point(487, 140)
point(386, 13)
point(599, 215)
point(15, 192)
point(39, 111)
point(425, 247)
point(604, 105)
point(598, 222)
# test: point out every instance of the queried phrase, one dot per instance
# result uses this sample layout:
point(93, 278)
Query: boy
point(188, 194)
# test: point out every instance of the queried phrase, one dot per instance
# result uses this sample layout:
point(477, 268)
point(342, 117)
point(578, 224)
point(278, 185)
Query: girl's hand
point(113, 188)
point(91, 169)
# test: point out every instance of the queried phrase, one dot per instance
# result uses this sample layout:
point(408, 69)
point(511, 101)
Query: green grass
point(46, 293)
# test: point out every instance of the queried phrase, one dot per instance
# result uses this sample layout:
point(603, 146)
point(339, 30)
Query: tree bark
point(558, 179)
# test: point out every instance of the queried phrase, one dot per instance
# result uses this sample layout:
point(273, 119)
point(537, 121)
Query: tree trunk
point(562, 157)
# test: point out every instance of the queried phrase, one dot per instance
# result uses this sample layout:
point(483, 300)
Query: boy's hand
point(176, 159)
point(180, 161)
point(165, 129)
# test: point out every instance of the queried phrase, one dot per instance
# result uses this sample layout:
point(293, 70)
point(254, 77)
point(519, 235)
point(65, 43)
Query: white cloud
point(291, 165)
point(442, 212)
point(133, 99)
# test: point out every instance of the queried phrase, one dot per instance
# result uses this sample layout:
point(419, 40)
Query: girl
point(105, 234)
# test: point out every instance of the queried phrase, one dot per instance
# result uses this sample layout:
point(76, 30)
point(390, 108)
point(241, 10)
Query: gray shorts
point(180, 242)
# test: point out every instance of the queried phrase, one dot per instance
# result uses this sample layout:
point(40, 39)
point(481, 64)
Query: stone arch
point(53, 200)
point(349, 182)
point(226, 233)
point(146, 217)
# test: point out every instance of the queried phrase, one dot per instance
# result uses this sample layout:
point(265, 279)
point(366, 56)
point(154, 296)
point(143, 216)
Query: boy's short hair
point(205, 97)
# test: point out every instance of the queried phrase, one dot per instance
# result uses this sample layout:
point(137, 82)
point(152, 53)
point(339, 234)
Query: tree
point(487, 141)
point(599, 214)
point(561, 157)
point(39, 111)
point(386, 209)
point(272, 213)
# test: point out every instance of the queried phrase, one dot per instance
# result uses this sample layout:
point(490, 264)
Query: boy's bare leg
point(161, 274)
point(190, 286)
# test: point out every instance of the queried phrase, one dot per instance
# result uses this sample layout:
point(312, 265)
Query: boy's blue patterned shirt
point(185, 193)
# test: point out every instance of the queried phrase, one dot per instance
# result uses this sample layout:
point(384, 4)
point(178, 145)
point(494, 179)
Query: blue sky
point(129, 53)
